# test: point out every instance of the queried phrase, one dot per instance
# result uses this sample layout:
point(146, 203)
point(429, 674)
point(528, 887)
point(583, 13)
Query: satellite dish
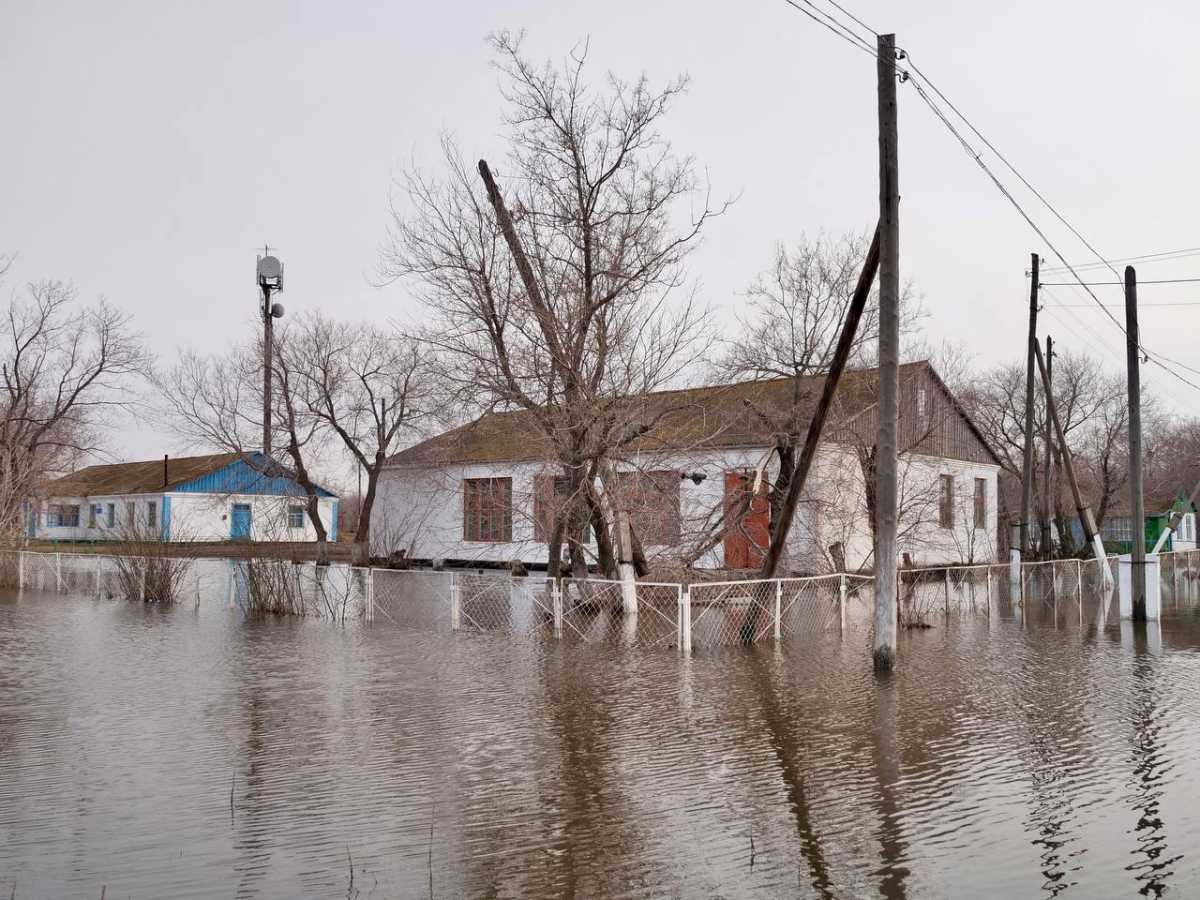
point(277, 310)
point(269, 268)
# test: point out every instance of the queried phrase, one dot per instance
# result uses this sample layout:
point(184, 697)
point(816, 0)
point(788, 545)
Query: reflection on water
point(188, 753)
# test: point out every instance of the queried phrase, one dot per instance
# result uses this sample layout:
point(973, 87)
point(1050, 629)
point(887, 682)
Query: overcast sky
point(150, 148)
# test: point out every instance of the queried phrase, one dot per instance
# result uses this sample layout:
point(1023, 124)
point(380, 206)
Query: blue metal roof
point(242, 477)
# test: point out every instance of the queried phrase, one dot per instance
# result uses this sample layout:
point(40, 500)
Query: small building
point(223, 496)
point(485, 492)
point(1117, 528)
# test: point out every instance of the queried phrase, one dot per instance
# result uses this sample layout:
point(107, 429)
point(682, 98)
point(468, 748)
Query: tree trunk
point(362, 530)
point(604, 545)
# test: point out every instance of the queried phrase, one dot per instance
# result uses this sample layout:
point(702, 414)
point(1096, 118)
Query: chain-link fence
point(595, 610)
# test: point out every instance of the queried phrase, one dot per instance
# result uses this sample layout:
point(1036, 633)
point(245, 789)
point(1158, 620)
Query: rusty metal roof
point(135, 477)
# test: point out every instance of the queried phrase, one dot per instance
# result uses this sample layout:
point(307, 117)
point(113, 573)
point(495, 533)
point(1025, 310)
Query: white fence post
point(145, 565)
point(556, 605)
point(842, 603)
point(58, 572)
point(685, 619)
point(20, 570)
point(455, 603)
point(947, 591)
point(99, 566)
point(989, 591)
point(369, 593)
point(778, 608)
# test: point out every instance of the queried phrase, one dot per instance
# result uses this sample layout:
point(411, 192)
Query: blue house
point(223, 496)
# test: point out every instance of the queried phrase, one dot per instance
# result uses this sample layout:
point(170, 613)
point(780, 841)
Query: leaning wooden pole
point(1137, 503)
point(889, 360)
point(1047, 503)
point(1090, 532)
point(841, 355)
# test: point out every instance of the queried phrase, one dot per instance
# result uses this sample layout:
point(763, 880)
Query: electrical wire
point(1164, 256)
point(918, 78)
point(1106, 283)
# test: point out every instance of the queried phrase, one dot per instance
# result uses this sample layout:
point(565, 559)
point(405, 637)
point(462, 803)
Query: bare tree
point(215, 401)
point(371, 388)
point(797, 310)
point(66, 367)
point(592, 318)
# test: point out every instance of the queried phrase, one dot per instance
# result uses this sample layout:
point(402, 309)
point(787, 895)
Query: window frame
point(151, 514)
point(487, 510)
point(946, 500)
point(656, 522)
point(110, 514)
point(980, 511)
point(299, 512)
point(545, 489)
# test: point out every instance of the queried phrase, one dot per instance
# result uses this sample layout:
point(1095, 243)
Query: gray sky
point(151, 147)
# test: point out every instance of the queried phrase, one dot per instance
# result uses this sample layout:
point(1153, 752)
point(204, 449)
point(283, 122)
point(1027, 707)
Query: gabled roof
point(235, 473)
point(720, 416)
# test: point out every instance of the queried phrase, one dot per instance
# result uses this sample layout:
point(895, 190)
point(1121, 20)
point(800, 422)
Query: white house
point(225, 496)
point(485, 491)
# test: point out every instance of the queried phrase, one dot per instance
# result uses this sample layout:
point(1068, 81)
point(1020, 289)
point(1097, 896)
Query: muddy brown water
point(184, 752)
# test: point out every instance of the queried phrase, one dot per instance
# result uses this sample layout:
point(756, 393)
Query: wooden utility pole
point(1137, 503)
point(1091, 533)
point(1047, 502)
point(1031, 347)
point(889, 359)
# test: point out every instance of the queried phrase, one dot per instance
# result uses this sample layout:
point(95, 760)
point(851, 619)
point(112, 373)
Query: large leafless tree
point(371, 388)
point(606, 213)
point(66, 368)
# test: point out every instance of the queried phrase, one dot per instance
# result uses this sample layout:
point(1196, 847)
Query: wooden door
point(747, 540)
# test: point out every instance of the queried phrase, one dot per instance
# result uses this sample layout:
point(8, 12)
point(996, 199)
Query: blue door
point(239, 522)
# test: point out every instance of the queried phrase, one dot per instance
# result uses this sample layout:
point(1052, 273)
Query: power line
point(1164, 256)
point(840, 30)
point(846, 33)
point(1140, 282)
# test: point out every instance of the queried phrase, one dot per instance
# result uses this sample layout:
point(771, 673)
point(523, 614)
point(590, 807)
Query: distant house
point(487, 491)
point(1117, 528)
point(225, 496)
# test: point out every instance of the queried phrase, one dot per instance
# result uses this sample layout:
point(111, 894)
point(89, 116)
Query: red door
point(747, 540)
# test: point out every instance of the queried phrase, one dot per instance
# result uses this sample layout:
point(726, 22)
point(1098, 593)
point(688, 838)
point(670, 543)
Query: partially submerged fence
point(646, 614)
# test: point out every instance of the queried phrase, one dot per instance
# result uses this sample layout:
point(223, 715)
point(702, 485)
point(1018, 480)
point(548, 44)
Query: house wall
point(420, 510)
point(187, 516)
point(208, 517)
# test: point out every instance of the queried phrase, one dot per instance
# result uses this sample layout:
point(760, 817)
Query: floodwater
point(153, 752)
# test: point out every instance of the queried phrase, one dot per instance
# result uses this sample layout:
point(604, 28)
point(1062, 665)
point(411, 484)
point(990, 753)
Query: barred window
point(295, 517)
point(946, 502)
point(487, 509)
point(980, 502)
point(110, 514)
point(652, 499)
point(550, 493)
point(152, 514)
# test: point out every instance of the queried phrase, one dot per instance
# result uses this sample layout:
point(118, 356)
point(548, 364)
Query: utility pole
point(1047, 502)
point(889, 359)
point(1090, 532)
point(269, 272)
point(1137, 504)
point(1030, 347)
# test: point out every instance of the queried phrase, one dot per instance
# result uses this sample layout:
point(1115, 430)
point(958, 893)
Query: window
point(946, 502)
point(981, 503)
point(93, 514)
point(487, 509)
point(130, 514)
point(652, 499)
point(62, 516)
point(550, 492)
point(295, 517)
point(110, 515)
point(921, 400)
point(151, 514)
point(1117, 529)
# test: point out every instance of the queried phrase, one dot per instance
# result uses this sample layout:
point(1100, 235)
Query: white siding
point(194, 517)
point(420, 510)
